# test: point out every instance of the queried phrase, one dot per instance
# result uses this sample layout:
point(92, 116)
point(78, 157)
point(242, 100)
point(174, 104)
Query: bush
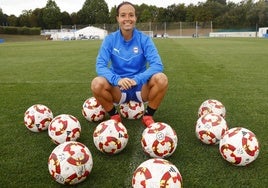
point(20, 30)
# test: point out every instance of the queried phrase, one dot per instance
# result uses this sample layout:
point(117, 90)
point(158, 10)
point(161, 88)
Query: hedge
point(20, 30)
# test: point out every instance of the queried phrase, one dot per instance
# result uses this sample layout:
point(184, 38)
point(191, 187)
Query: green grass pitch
point(58, 75)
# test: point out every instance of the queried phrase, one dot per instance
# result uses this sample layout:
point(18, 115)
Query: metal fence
point(172, 29)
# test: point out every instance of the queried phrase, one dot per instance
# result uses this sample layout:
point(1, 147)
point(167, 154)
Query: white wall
point(262, 31)
point(232, 34)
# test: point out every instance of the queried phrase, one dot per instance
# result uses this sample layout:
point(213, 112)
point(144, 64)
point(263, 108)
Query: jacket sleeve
point(153, 59)
point(102, 63)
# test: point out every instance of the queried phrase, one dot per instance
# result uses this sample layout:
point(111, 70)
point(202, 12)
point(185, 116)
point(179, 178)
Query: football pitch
point(58, 75)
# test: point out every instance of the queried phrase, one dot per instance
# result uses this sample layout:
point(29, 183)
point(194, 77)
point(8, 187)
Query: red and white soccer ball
point(64, 128)
point(110, 137)
point(37, 118)
point(212, 106)
point(70, 163)
point(159, 140)
point(239, 146)
point(156, 172)
point(92, 110)
point(210, 128)
point(132, 110)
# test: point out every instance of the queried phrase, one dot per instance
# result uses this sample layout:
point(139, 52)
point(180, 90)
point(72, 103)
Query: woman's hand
point(126, 83)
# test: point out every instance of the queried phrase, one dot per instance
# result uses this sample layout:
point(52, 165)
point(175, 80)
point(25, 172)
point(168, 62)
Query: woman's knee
point(161, 79)
point(98, 83)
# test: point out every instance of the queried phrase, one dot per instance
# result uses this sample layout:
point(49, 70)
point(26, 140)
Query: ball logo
point(160, 136)
point(136, 50)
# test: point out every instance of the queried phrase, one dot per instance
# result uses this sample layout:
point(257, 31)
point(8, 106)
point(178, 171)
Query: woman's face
point(126, 17)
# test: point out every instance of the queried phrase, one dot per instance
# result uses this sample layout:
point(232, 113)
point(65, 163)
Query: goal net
point(149, 33)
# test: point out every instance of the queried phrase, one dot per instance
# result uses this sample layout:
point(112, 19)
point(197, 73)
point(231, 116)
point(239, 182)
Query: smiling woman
point(136, 69)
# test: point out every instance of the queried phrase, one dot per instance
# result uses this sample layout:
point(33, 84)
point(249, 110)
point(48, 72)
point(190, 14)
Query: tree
point(223, 2)
point(258, 15)
point(209, 11)
point(163, 15)
point(246, 7)
point(176, 13)
point(113, 15)
point(190, 13)
point(30, 18)
point(38, 14)
point(262, 7)
point(24, 18)
point(12, 20)
point(2, 18)
point(102, 13)
point(66, 18)
point(180, 13)
point(145, 16)
point(74, 18)
point(94, 11)
point(52, 15)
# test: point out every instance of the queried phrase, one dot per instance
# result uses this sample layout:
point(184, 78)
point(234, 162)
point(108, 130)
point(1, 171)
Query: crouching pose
point(129, 68)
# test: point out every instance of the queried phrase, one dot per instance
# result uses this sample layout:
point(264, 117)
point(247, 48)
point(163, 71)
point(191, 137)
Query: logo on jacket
point(117, 50)
point(136, 50)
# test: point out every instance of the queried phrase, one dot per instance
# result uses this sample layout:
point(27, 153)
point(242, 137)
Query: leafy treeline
point(222, 13)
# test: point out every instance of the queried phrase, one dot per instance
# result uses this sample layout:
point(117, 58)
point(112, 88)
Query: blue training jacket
point(119, 58)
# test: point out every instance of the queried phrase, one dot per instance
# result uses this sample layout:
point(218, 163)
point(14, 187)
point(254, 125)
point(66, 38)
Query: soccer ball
point(212, 106)
point(159, 140)
point(239, 146)
point(156, 172)
point(110, 137)
point(92, 110)
point(64, 128)
point(132, 110)
point(210, 128)
point(70, 163)
point(37, 118)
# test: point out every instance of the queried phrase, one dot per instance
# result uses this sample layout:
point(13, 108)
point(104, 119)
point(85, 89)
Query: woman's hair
point(121, 4)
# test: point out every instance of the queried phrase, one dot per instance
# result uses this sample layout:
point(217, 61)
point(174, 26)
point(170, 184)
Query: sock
point(113, 111)
point(149, 111)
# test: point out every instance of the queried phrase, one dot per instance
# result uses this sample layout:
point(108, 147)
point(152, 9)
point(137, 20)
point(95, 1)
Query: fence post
point(211, 27)
point(180, 29)
point(196, 29)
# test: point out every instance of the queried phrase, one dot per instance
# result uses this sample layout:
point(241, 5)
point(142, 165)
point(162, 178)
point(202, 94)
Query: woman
point(129, 68)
